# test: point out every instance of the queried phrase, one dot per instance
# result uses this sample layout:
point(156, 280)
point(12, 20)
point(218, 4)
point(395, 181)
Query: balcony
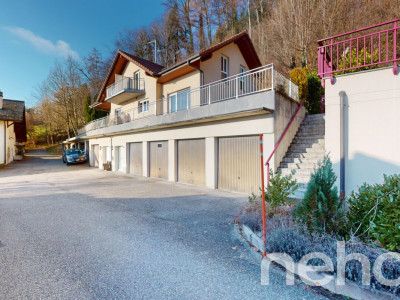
point(366, 48)
point(124, 89)
point(232, 95)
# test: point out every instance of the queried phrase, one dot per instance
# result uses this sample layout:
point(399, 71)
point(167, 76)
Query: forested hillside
point(284, 32)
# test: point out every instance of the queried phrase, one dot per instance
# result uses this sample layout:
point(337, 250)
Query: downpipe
point(342, 95)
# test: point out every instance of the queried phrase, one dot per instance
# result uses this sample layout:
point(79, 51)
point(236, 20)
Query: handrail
point(262, 173)
point(282, 136)
point(257, 80)
point(357, 30)
point(350, 51)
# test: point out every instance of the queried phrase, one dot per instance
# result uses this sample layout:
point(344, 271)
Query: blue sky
point(35, 34)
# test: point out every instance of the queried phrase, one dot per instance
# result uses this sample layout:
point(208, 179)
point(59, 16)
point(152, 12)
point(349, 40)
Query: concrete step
point(315, 117)
point(300, 193)
point(307, 146)
point(317, 156)
point(309, 134)
point(291, 160)
point(298, 172)
point(320, 151)
point(308, 140)
point(295, 166)
point(312, 130)
point(302, 179)
point(312, 122)
point(316, 137)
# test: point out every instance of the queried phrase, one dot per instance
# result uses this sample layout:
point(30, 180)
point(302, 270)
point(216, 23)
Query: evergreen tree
point(88, 112)
point(321, 209)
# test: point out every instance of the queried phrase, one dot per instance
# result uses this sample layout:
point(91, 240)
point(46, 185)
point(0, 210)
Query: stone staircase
point(306, 149)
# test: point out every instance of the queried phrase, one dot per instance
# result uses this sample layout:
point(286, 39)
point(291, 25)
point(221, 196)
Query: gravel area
point(75, 232)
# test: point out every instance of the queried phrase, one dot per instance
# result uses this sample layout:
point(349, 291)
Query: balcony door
point(136, 81)
point(179, 101)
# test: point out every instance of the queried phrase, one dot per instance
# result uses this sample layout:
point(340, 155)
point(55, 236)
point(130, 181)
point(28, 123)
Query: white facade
point(195, 100)
point(372, 115)
point(114, 147)
point(7, 142)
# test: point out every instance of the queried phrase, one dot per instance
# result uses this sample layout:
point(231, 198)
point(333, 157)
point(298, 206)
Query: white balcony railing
point(251, 82)
point(125, 84)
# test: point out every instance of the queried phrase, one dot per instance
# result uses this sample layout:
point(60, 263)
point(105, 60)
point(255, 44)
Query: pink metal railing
point(360, 49)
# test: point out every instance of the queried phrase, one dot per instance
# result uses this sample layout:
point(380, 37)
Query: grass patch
point(56, 149)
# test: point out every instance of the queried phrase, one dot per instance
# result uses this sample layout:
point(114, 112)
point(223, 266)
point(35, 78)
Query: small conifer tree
point(321, 209)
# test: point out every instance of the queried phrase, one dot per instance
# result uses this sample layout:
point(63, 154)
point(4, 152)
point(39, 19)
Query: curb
point(351, 290)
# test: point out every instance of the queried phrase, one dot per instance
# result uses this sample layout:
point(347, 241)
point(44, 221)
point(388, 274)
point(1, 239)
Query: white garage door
point(136, 159)
point(159, 159)
point(239, 164)
point(95, 156)
point(120, 158)
point(191, 161)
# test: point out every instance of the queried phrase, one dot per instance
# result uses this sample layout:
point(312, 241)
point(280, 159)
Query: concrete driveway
point(81, 233)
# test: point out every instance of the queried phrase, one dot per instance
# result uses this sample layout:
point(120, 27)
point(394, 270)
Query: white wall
point(257, 124)
point(2, 141)
point(373, 131)
point(9, 140)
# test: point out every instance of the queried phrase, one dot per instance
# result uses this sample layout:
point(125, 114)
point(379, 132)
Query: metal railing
point(251, 82)
point(268, 175)
point(125, 84)
point(364, 48)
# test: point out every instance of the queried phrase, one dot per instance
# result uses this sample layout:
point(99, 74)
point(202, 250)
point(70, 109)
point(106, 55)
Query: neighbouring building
point(362, 97)
point(197, 121)
point(12, 128)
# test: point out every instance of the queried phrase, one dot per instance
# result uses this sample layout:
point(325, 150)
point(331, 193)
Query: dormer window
point(224, 67)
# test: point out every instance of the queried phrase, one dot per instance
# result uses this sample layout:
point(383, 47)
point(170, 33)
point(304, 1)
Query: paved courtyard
point(81, 233)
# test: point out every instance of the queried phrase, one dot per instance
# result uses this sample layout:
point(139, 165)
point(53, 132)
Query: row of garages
point(235, 165)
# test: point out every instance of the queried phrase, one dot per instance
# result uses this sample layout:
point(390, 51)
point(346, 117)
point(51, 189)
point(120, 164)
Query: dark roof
point(13, 110)
point(147, 65)
point(242, 40)
point(157, 70)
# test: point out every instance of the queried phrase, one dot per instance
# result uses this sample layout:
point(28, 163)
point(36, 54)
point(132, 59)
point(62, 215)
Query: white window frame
point(187, 91)
point(224, 67)
point(143, 106)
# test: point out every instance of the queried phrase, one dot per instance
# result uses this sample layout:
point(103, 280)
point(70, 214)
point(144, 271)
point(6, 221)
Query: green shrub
point(278, 191)
point(321, 209)
point(362, 208)
point(374, 213)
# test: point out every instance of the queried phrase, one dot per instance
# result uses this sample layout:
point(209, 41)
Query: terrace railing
point(124, 84)
point(258, 80)
point(361, 49)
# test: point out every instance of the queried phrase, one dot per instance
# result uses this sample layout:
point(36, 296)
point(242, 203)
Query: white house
point(197, 121)
point(12, 128)
point(362, 99)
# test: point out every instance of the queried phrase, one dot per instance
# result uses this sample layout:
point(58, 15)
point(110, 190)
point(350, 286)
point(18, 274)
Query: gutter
point(201, 72)
point(171, 68)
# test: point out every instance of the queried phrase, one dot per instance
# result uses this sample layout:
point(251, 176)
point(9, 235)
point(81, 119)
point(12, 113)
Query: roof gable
point(242, 40)
point(13, 110)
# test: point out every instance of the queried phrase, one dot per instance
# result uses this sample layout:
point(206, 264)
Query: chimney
point(1, 100)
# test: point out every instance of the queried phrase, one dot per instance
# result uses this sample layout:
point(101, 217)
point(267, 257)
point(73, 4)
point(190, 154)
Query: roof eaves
point(180, 63)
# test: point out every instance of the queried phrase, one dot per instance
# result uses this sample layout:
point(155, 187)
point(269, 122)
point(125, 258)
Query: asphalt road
point(81, 233)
